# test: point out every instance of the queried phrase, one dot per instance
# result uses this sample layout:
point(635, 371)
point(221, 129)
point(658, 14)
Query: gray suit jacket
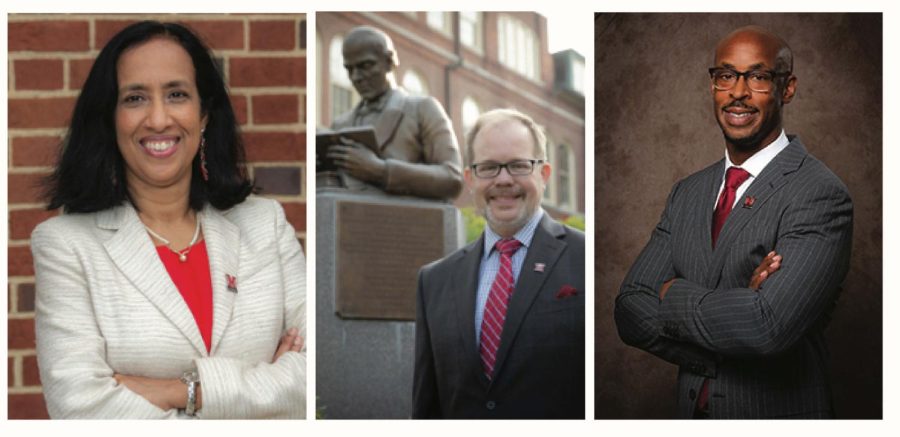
point(763, 351)
point(416, 141)
point(539, 371)
point(105, 304)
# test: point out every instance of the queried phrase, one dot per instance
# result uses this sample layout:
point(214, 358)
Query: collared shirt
point(490, 264)
point(368, 111)
point(754, 165)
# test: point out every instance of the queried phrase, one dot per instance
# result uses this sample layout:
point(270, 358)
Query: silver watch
point(192, 379)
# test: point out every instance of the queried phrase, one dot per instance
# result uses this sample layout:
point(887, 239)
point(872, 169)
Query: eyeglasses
point(761, 81)
point(519, 167)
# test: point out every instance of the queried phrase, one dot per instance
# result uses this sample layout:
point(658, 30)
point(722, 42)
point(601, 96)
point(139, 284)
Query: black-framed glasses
point(519, 167)
point(761, 81)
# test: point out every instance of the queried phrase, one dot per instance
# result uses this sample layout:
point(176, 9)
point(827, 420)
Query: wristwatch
point(192, 379)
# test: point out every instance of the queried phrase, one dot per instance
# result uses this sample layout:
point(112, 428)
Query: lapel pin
point(539, 267)
point(232, 283)
point(749, 201)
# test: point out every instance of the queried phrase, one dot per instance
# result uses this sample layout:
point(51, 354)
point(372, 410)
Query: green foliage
point(474, 223)
point(576, 221)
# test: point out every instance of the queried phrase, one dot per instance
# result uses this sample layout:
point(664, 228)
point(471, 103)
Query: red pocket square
point(566, 291)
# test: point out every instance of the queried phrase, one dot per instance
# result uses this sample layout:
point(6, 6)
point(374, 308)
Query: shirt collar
point(756, 163)
point(524, 235)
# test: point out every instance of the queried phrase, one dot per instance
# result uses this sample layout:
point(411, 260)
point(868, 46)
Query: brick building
point(473, 62)
point(263, 58)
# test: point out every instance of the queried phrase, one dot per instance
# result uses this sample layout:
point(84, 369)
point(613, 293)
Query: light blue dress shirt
point(490, 264)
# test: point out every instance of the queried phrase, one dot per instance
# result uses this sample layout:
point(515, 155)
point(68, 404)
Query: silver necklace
point(182, 255)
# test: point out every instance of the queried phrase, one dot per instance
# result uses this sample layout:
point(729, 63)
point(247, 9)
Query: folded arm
point(235, 389)
point(637, 304)
point(814, 244)
point(77, 381)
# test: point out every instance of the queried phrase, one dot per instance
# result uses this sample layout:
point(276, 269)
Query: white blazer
point(105, 304)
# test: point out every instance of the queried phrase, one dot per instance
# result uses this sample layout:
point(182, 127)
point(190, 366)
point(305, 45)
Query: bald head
point(373, 39)
point(772, 45)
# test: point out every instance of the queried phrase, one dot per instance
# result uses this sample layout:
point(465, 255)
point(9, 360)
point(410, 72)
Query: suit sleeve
point(426, 402)
point(77, 381)
point(814, 240)
point(637, 305)
point(235, 389)
point(441, 166)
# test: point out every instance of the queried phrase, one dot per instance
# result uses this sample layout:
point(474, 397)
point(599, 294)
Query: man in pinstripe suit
point(739, 278)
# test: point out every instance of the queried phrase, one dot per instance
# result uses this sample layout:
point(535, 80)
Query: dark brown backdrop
point(655, 125)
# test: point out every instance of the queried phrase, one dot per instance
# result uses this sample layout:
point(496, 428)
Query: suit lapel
point(465, 286)
point(133, 253)
point(390, 118)
point(223, 245)
point(545, 248)
point(770, 180)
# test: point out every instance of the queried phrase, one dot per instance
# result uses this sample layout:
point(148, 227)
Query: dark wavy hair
point(90, 172)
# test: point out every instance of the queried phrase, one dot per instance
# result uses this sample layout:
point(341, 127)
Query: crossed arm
point(80, 383)
point(168, 394)
point(790, 291)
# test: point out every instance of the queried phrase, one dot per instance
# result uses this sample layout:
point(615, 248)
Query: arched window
point(342, 95)
point(415, 84)
point(470, 113)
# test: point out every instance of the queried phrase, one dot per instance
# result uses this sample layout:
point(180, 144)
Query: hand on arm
point(766, 268)
point(291, 341)
point(167, 394)
point(770, 264)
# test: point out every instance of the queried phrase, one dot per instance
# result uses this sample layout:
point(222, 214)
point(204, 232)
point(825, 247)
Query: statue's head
point(370, 59)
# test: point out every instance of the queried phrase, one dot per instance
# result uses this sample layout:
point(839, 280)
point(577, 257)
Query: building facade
point(473, 62)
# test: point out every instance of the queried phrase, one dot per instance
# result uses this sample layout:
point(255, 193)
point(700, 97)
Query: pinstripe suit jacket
point(763, 351)
point(105, 304)
point(539, 372)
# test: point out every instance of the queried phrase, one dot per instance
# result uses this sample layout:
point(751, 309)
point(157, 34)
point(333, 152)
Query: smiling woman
point(138, 309)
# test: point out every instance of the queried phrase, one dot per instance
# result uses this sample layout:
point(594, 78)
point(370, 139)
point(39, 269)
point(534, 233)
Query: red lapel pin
point(232, 283)
point(749, 201)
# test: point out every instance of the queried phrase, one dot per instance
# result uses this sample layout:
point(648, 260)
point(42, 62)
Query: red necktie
point(734, 177)
point(495, 308)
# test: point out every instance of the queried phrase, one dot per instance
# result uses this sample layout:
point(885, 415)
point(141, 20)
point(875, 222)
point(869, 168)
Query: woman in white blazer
point(166, 290)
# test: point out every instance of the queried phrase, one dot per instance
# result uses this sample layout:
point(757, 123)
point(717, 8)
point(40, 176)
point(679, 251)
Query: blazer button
point(692, 394)
point(490, 405)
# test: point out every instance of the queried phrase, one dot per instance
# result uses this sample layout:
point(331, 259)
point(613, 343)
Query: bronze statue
point(390, 142)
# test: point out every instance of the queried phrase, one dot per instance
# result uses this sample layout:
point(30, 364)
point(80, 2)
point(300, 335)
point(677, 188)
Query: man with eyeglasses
point(740, 276)
point(500, 322)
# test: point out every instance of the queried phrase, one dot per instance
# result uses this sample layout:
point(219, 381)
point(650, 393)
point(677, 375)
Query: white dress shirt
point(753, 165)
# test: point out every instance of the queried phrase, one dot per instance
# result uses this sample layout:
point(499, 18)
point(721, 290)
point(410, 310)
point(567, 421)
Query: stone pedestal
point(368, 251)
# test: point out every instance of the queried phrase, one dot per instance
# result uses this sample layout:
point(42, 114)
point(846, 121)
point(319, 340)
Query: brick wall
point(264, 62)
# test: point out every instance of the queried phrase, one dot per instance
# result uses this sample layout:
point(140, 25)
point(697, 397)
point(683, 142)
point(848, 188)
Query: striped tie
point(495, 308)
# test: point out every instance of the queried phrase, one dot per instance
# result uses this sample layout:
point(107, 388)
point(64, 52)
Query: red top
point(193, 282)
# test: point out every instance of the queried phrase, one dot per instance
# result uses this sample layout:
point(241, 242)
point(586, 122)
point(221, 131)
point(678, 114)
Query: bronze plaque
point(380, 249)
